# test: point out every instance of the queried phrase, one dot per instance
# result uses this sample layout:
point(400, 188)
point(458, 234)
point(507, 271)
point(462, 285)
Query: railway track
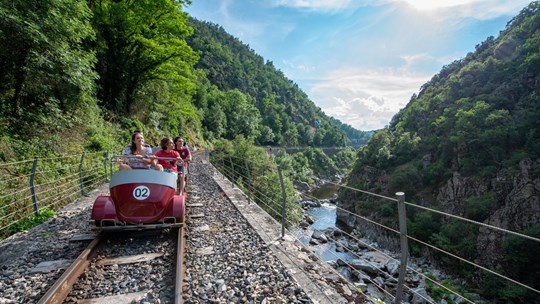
point(226, 261)
point(119, 259)
point(80, 282)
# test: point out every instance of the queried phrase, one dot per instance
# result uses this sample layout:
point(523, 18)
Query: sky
point(360, 61)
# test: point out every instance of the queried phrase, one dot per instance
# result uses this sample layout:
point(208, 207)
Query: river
point(325, 218)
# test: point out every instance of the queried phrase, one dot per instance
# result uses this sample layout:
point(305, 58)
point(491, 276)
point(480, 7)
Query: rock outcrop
point(516, 205)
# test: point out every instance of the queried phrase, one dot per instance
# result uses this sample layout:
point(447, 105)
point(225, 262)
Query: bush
point(520, 256)
point(264, 176)
point(436, 172)
point(405, 179)
point(32, 221)
point(479, 208)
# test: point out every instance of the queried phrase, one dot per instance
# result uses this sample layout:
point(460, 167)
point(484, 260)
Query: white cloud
point(298, 67)
point(365, 99)
point(327, 6)
point(447, 9)
point(411, 60)
point(315, 4)
point(478, 9)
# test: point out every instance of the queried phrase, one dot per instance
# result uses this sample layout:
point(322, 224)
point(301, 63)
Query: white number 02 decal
point(140, 193)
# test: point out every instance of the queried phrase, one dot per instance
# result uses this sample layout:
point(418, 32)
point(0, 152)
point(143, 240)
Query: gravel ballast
point(226, 259)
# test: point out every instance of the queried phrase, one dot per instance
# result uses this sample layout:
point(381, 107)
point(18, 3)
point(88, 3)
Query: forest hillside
point(82, 75)
point(469, 144)
point(288, 116)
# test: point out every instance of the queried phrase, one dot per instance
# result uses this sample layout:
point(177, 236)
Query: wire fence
point(29, 187)
point(397, 279)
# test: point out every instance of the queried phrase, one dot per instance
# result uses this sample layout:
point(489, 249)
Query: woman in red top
point(182, 148)
point(169, 165)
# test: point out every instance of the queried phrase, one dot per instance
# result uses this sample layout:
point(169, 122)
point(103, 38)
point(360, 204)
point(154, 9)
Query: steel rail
point(180, 269)
point(62, 287)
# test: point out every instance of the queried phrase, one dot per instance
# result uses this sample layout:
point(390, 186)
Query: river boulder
point(420, 296)
point(368, 267)
point(392, 267)
point(319, 236)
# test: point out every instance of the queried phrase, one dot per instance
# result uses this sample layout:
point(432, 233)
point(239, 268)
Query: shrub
point(405, 179)
point(32, 221)
point(480, 207)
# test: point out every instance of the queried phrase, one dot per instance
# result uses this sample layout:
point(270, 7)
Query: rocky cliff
point(513, 198)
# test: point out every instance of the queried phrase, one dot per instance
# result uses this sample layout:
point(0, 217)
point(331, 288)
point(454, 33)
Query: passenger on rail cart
point(141, 155)
point(167, 151)
point(181, 147)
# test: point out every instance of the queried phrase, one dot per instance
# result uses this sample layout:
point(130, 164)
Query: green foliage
point(377, 153)
point(345, 159)
point(405, 179)
point(242, 116)
point(442, 292)
point(388, 209)
point(296, 166)
point(263, 173)
point(520, 256)
point(495, 288)
point(479, 208)
point(104, 136)
point(302, 166)
point(459, 238)
point(320, 163)
point(47, 74)
point(436, 172)
point(515, 158)
point(144, 62)
point(423, 225)
point(32, 221)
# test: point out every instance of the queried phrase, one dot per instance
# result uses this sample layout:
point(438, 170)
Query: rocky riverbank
point(367, 264)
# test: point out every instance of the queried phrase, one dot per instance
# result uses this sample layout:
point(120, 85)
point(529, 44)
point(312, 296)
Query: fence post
point(110, 167)
point(223, 166)
point(284, 196)
point(232, 168)
point(249, 180)
point(404, 246)
point(80, 174)
point(32, 190)
point(105, 166)
point(212, 160)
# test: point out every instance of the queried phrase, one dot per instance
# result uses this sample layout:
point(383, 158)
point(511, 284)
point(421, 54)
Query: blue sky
point(360, 60)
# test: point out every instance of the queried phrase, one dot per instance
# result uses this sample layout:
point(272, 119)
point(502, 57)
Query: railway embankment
point(316, 278)
point(234, 253)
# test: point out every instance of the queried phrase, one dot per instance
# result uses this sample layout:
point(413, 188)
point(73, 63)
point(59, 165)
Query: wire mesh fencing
point(396, 278)
point(30, 187)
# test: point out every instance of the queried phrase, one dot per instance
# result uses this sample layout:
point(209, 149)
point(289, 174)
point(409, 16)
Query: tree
point(216, 121)
point(242, 116)
point(140, 42)
point(45, 68)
